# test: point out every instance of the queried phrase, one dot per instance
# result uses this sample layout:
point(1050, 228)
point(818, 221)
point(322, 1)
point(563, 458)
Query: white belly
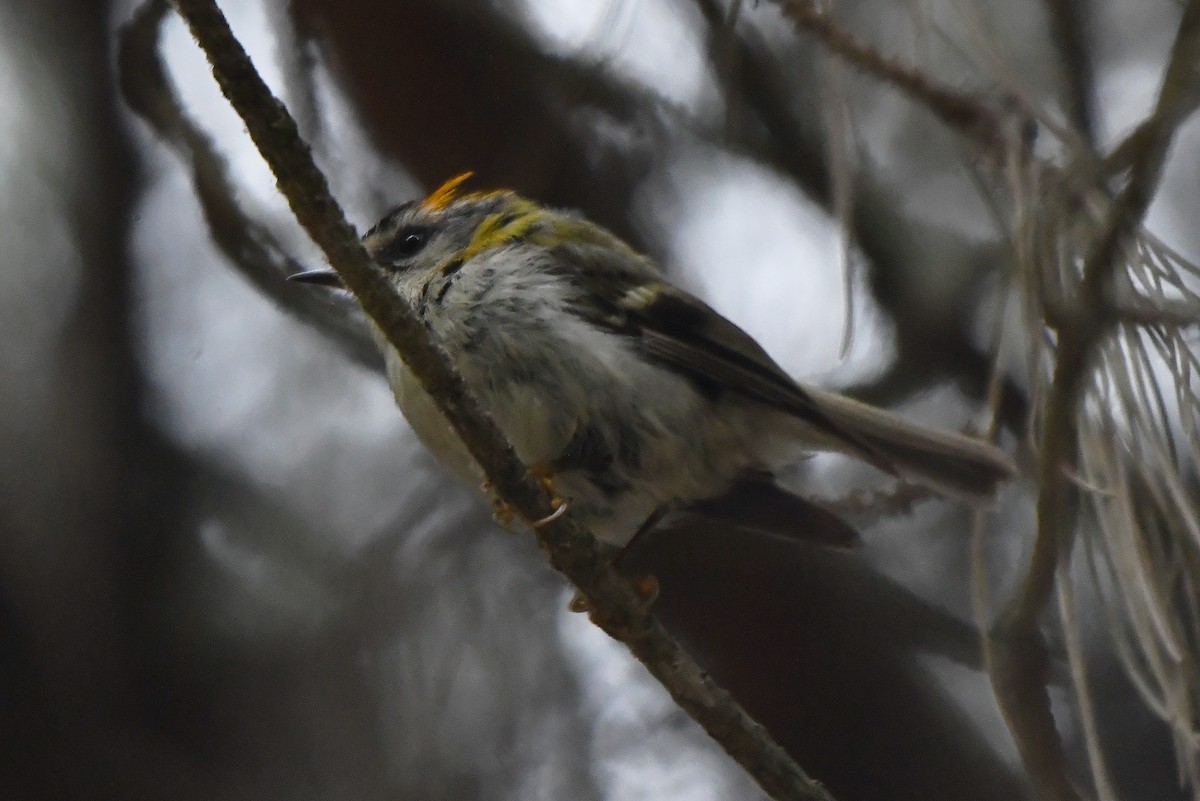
point(428, 422)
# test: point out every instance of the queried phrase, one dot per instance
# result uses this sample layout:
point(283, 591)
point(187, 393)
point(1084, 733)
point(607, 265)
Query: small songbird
point(634, 397)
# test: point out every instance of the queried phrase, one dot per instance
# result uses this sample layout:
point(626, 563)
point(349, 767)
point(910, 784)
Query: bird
point(635, 398)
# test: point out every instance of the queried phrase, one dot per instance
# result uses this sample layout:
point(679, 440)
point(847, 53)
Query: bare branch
point(961, 112)
point(246, 243)
point(617, 608)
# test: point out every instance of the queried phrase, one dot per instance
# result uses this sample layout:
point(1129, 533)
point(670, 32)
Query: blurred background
point(229, 571)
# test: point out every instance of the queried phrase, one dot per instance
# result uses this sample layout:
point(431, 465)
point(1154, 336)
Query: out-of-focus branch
point(1017, 659)
point(962, 112)
point(617, 608)
point(248, 244)
point(570, 131)
point(1166, 315)
point(1094, 311)
point(1067, 31)
point(1018, 653)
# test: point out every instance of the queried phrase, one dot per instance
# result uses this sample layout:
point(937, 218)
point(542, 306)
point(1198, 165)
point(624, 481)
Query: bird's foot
point(543, 473)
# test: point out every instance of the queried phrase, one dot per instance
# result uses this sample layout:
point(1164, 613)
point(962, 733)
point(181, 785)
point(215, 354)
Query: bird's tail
point(951, 463)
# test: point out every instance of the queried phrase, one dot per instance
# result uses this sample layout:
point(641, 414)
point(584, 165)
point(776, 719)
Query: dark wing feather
point(679, 330)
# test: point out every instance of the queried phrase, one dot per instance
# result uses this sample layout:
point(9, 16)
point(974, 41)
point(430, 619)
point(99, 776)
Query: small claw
point(544, 472)
point(506, 516)
point(560, 506)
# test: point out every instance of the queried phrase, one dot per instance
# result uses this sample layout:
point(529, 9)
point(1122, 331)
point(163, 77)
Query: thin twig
point(572, 550)
point(765, 87)
point(248, 245)
point(1138, 312)
point(1159, 317)
point(962, 112)
point(1083, 696)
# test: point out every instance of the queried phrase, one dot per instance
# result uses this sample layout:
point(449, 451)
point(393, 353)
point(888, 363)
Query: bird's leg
point(543, 473)
point(585, 451)
point(650, 522)
point(645, 585)
point(506, 516)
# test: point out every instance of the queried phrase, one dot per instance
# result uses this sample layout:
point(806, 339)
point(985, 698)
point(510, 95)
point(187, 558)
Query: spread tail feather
point(951, 463)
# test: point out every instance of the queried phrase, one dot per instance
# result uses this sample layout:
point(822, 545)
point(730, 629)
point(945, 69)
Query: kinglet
point(634, 396)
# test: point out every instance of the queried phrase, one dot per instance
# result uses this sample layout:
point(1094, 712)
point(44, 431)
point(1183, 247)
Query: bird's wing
point(626, 296)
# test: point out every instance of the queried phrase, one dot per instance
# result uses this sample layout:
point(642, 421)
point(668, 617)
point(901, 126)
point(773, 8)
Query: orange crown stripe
point(445, 194)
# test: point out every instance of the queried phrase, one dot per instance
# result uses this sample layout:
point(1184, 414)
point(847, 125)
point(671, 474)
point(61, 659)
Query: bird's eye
point(407, 243)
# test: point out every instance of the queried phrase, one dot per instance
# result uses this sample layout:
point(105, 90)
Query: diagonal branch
point(959, 111)
point(572, 550)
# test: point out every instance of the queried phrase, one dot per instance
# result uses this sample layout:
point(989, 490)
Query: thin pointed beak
point(323, 277)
